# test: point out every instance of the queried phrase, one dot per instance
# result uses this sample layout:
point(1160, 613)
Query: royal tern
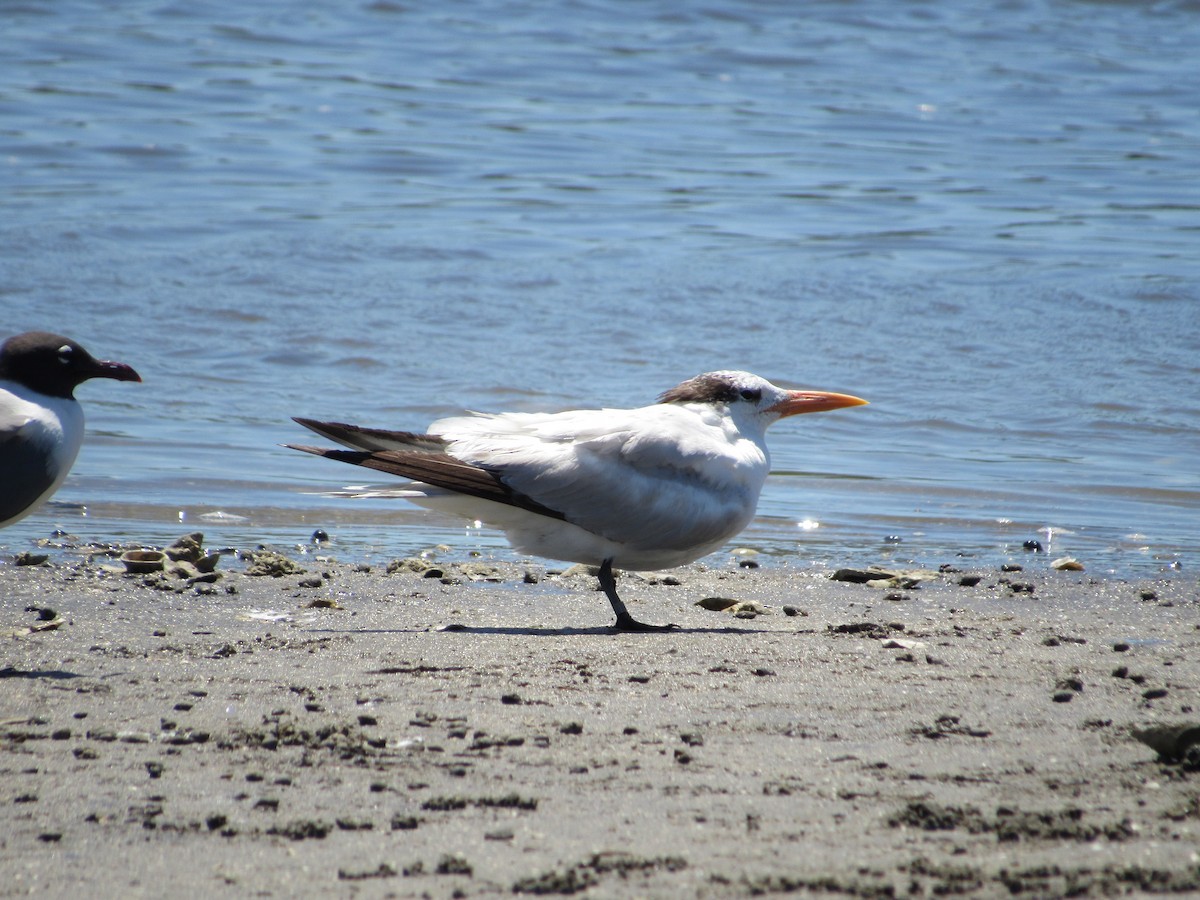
point(41, 423)
point(646, 488)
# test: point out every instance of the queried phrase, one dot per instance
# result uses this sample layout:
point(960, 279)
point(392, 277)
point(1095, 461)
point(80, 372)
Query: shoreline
point(484, 733)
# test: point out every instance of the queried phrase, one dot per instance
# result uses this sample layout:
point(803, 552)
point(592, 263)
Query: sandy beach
point(477, 730)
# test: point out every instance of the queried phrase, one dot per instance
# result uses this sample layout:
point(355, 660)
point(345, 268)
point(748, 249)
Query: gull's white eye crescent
point(64, 354)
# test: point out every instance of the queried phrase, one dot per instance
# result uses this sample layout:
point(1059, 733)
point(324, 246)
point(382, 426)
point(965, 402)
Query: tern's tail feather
point(356, 437)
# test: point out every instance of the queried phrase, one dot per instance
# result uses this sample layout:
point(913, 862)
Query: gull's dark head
point(55, 365)
point(752, 394)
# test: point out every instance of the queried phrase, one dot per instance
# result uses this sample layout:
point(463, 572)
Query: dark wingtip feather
point(351, 456)
point(321, 428)
point(438, 470)
point(360, 437)
point(311, 424)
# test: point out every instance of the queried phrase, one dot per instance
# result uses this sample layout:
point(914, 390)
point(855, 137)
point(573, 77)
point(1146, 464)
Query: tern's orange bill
point(814, 401)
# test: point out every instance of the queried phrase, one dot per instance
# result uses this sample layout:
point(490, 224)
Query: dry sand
point(228, 739)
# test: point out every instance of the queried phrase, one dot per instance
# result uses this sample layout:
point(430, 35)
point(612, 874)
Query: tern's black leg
point(625, 622)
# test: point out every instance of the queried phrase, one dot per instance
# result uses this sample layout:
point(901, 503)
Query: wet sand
point(483, 733)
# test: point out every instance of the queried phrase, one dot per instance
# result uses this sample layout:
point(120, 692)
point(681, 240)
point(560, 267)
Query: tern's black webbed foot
point(629, 623)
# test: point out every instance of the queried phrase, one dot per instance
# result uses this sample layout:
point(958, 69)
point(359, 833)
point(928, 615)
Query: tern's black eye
point(751, 394)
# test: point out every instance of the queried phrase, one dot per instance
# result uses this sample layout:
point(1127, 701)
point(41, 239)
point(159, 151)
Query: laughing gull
point(646, 488)
point(41, 423)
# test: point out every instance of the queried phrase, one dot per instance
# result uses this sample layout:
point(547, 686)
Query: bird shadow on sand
point(536, 631)
point(601, 629)
point(52, 674)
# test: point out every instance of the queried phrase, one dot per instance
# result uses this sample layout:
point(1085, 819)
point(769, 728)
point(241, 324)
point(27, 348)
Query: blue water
point(985, 219)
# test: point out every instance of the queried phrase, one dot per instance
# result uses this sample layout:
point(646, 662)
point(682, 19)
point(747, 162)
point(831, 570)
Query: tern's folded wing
point(658, 479)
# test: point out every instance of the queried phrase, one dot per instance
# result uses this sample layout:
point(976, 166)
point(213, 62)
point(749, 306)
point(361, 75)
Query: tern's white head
point(746, 395)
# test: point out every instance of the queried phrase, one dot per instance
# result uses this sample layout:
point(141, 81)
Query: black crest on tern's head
point(717, 387)
point(55, 365)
